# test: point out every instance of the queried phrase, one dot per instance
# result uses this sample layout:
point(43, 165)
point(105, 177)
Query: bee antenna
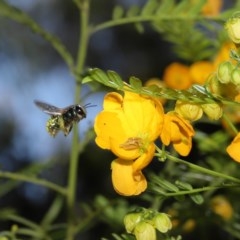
point(89, 105)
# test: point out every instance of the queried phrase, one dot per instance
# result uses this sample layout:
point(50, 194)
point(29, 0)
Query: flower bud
point(4, 238)
point(145, 231)
point(224, 72)
point(189, 111)
point(233, 29)
point(235, 75)
point(212, 110)
point(162, 222)
point(131, 220)
point(213, 85)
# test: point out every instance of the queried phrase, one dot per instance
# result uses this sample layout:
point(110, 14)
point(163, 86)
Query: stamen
point(132, 143)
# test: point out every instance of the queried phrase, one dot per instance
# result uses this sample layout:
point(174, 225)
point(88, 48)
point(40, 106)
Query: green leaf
point(149, 8)
point(183, 185)
point(118, 12)
point(165, 7)
point(100, 76)
point(53, 211)
point(87, 79)
point(115, 78)
point(196, 8)
point(197, 198)
point(133, 11)
point(136, 83)
point(139, 27)
point(168, 185)
point(182, 7)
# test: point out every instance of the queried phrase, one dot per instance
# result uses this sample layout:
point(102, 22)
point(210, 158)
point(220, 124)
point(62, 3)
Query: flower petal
point(183, 147)
point(178, 131)
point(112, 101)
point(142, 115)
point(107, 131)
point(144, 159)
point(125, 182)
point(233, 148)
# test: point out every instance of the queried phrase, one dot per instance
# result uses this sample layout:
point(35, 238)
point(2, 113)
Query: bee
point(62, 119)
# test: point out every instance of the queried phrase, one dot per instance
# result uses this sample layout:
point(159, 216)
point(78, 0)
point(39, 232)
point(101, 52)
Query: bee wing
point(48, 108)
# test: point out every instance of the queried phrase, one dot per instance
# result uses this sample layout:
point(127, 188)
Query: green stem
point(202, 189)
point(230, 124)
point(197, 167)
point(83, 6)
point(42, 182)
point(139, 19)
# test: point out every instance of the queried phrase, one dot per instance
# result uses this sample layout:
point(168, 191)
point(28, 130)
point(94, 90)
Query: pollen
point(132, 143)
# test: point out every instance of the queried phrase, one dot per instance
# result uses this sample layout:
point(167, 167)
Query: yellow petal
point(144, 159)
point(233, 148)
point(199, 71)
point(177, 76)
point(112, 101)
point(125, 182)
point(142, 115)
point(183, 147)
point(178, 131)
point(121, 152)
point(106, 130)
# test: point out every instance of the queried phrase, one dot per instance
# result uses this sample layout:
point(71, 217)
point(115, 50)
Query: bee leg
point(67, 129)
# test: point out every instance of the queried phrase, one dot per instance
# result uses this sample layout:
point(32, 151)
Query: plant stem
point(230, 124)
point(201, 169)
point(202, 189)
point(83, 6)
point(142, 19)
point(41, 182)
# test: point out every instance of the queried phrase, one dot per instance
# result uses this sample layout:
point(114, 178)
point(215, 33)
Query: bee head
point(81, 112)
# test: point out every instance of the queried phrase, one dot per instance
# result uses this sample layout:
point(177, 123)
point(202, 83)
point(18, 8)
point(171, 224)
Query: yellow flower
point(199, 71)
point(128, 126)
point(233, 148)
point(222, 207)
point(127, 176)
point(212, 7)
point(178, 131)
point(223, 54)
point(177, 76)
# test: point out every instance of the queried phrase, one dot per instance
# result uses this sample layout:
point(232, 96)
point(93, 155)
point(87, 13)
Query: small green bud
point(131, 220)
point(235, 74)
point(224, 72)
point(189, 111)
point(213, 85)
point(162, 222)
point(233, 28)
point(212, 110)
point(145, 231)
point(14, 228)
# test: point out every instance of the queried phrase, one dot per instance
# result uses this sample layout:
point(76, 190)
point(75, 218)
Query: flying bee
point(62, 119)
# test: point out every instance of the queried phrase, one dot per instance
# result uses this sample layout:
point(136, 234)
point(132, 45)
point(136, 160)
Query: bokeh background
point(31, 69)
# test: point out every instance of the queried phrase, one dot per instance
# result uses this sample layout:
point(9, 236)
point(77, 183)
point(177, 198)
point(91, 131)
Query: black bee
point(62, 118)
